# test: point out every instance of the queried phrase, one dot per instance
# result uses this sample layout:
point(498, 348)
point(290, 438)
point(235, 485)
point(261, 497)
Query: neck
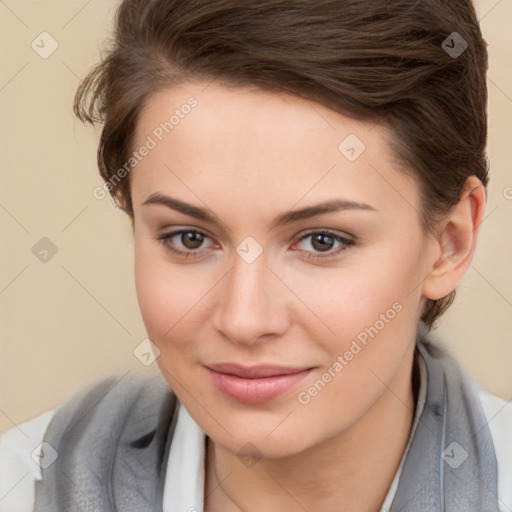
point(357, 478)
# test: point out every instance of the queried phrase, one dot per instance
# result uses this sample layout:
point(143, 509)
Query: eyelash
point(347, 243)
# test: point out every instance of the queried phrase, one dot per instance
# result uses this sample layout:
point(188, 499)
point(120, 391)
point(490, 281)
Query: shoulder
point(105, 399)
point(499, 416)
point(18, 467)
point(131, 401)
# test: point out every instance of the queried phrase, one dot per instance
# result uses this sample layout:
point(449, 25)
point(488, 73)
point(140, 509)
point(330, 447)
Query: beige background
point(75, 318)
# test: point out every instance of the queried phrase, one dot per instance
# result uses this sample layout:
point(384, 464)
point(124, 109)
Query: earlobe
point(456, 242)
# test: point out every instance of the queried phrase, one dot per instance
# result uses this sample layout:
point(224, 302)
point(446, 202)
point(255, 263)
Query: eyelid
point(327, 231)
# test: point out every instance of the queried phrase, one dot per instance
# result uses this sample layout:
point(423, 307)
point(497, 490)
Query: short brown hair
point(386, 62)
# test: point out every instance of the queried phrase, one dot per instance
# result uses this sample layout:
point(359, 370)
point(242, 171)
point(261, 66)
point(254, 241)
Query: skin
point(248, 157)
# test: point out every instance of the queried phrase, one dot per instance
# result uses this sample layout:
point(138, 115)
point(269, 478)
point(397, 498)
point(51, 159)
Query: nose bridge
point(248, 305)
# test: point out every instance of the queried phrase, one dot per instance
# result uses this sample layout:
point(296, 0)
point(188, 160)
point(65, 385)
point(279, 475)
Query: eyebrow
point(206, 215)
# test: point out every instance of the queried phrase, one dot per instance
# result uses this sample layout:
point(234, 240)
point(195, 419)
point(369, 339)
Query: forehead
point(255, 146)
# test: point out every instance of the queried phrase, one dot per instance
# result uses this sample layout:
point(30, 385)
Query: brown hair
point(385, 62)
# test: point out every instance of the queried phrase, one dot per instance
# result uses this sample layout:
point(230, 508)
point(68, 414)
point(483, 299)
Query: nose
point(251, 303)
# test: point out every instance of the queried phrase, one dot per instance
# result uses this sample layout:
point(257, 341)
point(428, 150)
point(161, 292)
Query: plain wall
point(75, 318)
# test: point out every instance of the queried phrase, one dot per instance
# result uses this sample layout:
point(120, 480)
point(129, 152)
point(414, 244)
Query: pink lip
point(256, 384)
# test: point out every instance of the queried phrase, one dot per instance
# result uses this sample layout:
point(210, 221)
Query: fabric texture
point(451, 464)
point(113, 441)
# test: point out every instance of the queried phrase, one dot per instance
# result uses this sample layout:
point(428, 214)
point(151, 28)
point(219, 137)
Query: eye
point(191, 240)
point(323, 241)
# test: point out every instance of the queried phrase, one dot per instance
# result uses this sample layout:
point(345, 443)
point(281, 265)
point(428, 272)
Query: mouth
point(257, 384)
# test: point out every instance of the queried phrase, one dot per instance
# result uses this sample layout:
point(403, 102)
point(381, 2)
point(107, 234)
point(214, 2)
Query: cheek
point(368, 317)
point(153, 292)
point(172, 300)
point(355, 294)
point(162, 292)
point(374, 320)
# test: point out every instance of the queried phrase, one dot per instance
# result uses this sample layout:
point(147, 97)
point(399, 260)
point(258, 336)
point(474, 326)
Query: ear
point(455, 244)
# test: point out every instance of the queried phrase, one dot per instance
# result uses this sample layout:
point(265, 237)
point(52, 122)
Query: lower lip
point(255, 391)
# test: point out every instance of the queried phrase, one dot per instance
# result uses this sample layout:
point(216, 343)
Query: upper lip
point(254, 372)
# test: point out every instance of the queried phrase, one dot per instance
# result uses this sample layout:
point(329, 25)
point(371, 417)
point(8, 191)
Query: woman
point(305, 183)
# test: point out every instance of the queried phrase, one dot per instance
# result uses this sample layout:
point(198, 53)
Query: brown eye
point(322, 243)
point(191, 239)
point(184, 243)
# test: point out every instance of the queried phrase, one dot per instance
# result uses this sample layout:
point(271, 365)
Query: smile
point(256, 389)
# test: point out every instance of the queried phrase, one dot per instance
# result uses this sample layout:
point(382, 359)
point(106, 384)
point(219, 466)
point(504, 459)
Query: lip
point(256, 384)
point(255, 372)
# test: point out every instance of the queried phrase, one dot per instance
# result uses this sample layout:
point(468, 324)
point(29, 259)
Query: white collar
point(184, 480)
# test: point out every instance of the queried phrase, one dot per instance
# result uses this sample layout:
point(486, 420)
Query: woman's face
point(338, 294)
